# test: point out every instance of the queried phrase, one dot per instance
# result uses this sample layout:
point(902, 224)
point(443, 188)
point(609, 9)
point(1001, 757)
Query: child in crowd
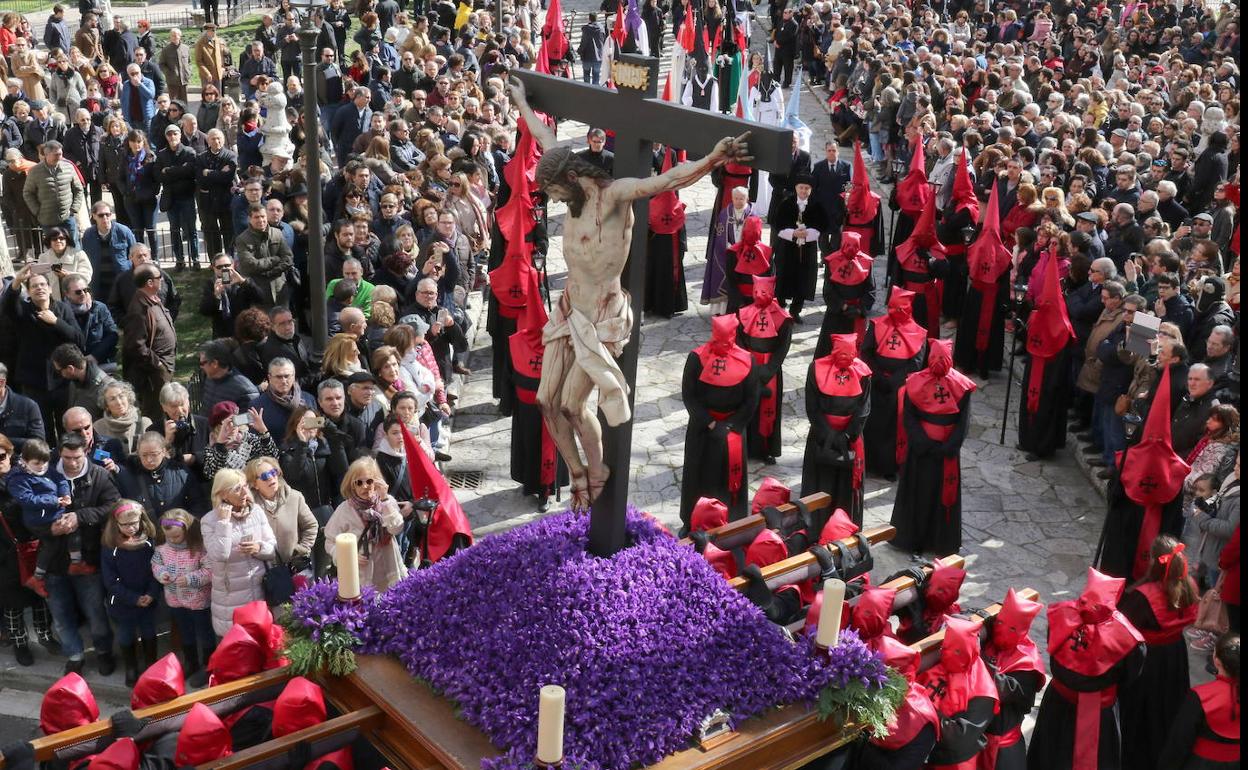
point(1203, 490)
point(180, 565)
point(126, 565)
point(43, 494)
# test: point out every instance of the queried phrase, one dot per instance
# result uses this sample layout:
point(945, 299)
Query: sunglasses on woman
point(365, 482)
point(269, 475)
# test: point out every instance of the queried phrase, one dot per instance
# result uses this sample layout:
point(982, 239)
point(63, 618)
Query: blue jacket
point(108, 256)
point(276, 417)
point(99, 331)
point(127, 574)
point(37, 496)
point(147, 101)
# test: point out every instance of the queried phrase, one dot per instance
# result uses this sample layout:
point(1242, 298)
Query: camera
point(183, 428)
point(317, 422)
point(1207, 505)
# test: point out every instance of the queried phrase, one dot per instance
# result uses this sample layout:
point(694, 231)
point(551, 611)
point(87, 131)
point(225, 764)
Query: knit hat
point(221, 412)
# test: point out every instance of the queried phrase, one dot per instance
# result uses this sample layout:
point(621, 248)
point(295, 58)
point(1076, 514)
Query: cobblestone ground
point(1025, 523)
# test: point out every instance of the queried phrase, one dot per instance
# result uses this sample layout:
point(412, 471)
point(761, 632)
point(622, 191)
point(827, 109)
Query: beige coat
point(1090, 374)
point(27, 67)
point(209, 60)
point(385, 566)
point(89, 44)
point(292, 523)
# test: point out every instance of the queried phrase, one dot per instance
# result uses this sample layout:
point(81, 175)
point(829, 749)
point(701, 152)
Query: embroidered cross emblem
point(515, 291)
point(719, 365)
point(844, 271)
point(762, 322)
point(1148, 484)
point(548, 463)
point(535, 362)
point(938, 689)
point(842, 377)
point(667, 219)
point(941, 395)
point(894, 341)
point(985, 268)
point(1079, 640)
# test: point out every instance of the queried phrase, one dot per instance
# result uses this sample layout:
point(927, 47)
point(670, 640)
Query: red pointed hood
point(237, 656)
point(510, 282)
point(301, 705)
point(525, 344)
point(862, 205)
point(122, 754)
point(534, 317)
point(960, 649)
point(751, 233)
point(840, 372)
point(766, 549)
point(256, 619)
point(838, 526)
point(764, 290)
point(67, 704)
point(721, 561)
point(753, 256)
point(922, 239)
point(202, 739)
point(1013, 622)
point(871, 612)
point(914, 195)
point(1154, 455)
point(161, 682)
point(1049, 330)
point(448, 521)
point(667, 211)
point(988, 258)
point(708, 513)
point(963, 189)
point(943, 586)
point(938, 388)
point(1100, 596)
point(770, 493)
point(515, 217)
point(552, 31)
point(849, 265)
point(901, 656)
point(897, 334)
point(900, 304)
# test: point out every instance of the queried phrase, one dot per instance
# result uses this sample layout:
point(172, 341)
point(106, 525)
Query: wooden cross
point(640, 118)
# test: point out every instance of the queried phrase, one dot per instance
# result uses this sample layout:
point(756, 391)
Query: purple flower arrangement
point(646, 643)
point(853, 683)
point(323, 632)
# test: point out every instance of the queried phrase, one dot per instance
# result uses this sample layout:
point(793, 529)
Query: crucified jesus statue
point(593, 321)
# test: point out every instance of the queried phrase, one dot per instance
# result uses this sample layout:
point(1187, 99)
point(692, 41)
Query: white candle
point(550, 724)
point(347, 559)
point(830, 615)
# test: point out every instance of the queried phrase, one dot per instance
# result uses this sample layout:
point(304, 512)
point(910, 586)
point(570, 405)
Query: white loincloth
point(594, 346)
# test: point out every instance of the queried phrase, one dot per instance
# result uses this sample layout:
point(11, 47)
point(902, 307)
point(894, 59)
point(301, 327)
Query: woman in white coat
point(372, 514)
point(62, 260)
point(238, 541)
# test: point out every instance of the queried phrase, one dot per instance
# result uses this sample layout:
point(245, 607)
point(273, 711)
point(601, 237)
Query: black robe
point(706, 451)
point(825, 463)
point(888, 374)
point(949, 232)
point(1116, 554)
point(1189, 725)
point(962, 734)
point(500, 329)
point(912, 756)
point(665, 273)
point(965, 356)
point(1053, 739)
point(797, 267)
point(734, 279)
point(526, 441)
point(758, 446)
point(843, 306)
point(924, 524)
point(1148, 705)
point(1044, 432)
point(1017, 692)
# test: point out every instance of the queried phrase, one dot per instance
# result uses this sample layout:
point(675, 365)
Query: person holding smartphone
point(61, 259)
point(236, 438)
point(226, 296)
point(237, 541)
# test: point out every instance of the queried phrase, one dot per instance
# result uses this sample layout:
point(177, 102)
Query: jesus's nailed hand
point(730, 150)
point(516, 88)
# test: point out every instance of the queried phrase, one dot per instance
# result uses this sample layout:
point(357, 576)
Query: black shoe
point(797, 319)
point(1096, 462)
point(1031, 457)
point(105, 663)
point(1105, 475)
point(23, 655)
point(769, 460)
point(75, 666)
point(130, 660)
point(543, 504)
point(1092, 450)
point(51, 645)
point(441, 456)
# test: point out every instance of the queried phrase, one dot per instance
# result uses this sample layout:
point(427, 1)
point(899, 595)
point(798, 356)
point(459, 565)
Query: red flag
point(448, 519)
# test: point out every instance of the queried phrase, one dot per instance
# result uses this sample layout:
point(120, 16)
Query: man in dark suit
point(350, 122)
point(831, 177)
point(786, 47)
point(782, 184)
